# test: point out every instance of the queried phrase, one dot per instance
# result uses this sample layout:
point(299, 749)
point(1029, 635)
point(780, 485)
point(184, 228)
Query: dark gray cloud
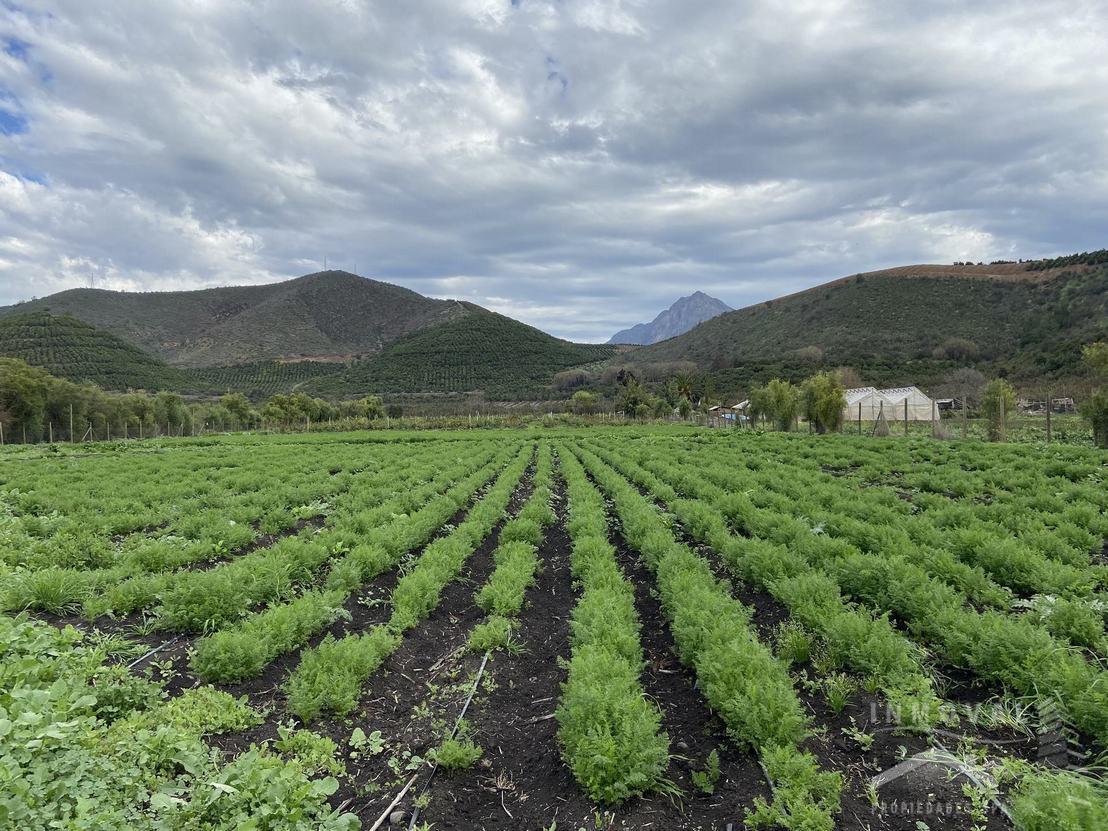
point(575, 164)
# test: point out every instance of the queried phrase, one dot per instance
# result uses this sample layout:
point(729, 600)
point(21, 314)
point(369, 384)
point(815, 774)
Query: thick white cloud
point(575, 164)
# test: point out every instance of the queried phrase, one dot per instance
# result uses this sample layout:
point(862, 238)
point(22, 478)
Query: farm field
point(656, 627)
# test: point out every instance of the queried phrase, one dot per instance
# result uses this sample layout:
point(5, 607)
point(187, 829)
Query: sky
point(576, 165)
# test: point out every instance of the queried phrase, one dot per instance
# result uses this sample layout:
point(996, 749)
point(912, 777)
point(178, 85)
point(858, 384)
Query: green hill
point(1026, 320)
point(476, 351)
point(70, 348)
point(480, 351)
point(329, 314)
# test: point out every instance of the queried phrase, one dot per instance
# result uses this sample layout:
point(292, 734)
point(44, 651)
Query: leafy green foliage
point(609, 731)
point(493, 633)
point(314, 752)
point(64, 766)
point(823, 401)
point(242, 652)
point(1060, 801)
point(330, 676)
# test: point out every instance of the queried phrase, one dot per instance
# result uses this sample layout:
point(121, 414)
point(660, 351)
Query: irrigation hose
point(453, 733)
point(153, 651)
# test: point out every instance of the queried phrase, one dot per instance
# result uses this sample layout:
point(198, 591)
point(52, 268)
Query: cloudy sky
point(575, 164)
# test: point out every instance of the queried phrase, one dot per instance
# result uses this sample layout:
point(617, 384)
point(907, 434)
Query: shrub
point(583, 402)
point(957, 349)
point(1094, 409)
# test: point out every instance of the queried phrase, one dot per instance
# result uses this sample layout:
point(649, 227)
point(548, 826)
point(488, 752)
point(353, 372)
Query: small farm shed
point(920, 406)
point(720, 416)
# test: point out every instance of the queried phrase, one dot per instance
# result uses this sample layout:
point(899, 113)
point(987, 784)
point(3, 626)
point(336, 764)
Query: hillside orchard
point(634, 627)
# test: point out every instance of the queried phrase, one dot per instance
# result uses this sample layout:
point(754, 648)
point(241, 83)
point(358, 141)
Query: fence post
point(1003, 420)
point(72, 437)
point(1, 434)
point(859, 418)
point(905, 416)
point(51, 432)
point(1049, 407)
point(965, 423)
point(934, 420)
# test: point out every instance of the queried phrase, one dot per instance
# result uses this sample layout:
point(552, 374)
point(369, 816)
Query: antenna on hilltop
point(93, 272)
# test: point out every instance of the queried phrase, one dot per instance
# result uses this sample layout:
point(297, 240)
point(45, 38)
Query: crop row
point(243, 650)
point(855, 639)
point(741, 679)
point(330, 676)
point(257, 576)
point(515, 559)
point(609, 732)
point(1012, 560)
point(1050, 499)
point(1015, 652)
point(921, 538)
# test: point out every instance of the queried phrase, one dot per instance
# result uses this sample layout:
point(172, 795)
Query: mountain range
point(683, 315)
point(330, 333)
point(340, 335)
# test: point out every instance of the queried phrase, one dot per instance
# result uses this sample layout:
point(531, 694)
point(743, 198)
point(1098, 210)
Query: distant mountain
point(679, 318)
point(911, 324)
point(330, 315)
